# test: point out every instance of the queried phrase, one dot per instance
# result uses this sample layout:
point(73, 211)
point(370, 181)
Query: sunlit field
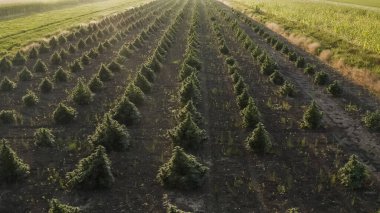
point(179, 106)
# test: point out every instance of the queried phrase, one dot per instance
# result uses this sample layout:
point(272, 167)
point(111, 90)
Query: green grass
point(368, 3)
point(18, 32)
point(353, 34)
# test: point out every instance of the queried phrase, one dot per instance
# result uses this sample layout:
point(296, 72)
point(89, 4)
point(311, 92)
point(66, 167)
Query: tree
point(72, 49)
point(25, 74)
point(189, 91)
point(64, 114)
point(12, 167)
point(19, 59)
point(135, 94)
point(46, 85)
point(259, 140)
point(53, 42)
point(190, 108)
point(335, 89)
point(224, 49)
point(61, 75)
point(104, 73)
point(251, 115)
point(187, 134)
point(40, 67)
point(287, 89)
point(95, 84)
point(111, 134)
point(8, 116)
point(76, 66)
point(92, 172)
point(43, 48)
point(243, 99)
point(186, 71)
point(300, 63)
point(85, 59)
point(81, 44)
point(182, 171)
point(353, 174)
point(142, 83)
point(372, 120)
point(276, 78)
point(33, 53)
point(114, 66)
point(321, 78)
point(147, 72)
point(81, 93)
point(56, 206)
point(30, 99)
point(312, 117)
point(125, 112)
point(7, 85)
point(44, 137)
point(55, 59)
point(239, 86)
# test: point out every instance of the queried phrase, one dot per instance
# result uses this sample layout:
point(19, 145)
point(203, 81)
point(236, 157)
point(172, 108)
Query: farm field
point(340, 34)
point(24, 30)
point(369, 3)
point(182, 106)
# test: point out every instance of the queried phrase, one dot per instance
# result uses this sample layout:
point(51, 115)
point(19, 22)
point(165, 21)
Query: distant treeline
point(19, 9)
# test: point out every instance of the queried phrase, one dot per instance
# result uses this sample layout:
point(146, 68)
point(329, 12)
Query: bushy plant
point(276, 78)
point(12, 168)
point(321, 78)
point(372, 120)
point(33, 53)
point(154, 64)
point(95, 84)
point(148, 73)
point(335, 89)
point(40, 67)
point(81, 44)
point(61, 75)
point(192, 60)
point(189, 91)
point(64, 54)
point(92, 172)
point(25, 74)
point(62, 39)
point(85, 59)
point(187, 134)
point(224, 49)
point(53, 42)
point(19, 59)
point(64, 114)
point(55, 59)
point(46, 85)
point(72, 49)
point(239, 86)
point(104, 73)
point(259, 140)
point(243, 99)
point(126, 51)
point(8, 116)
point(142, 83)
point(182, 171)
point(287, 89)
point(125, 112)
point(30, 99)
point(267, 68)
point(111, 134)
point(76, 66)
point(101, 49)
point(353, 174)
point(300, 63)
point(43, 49)
point(309, 69)
point(292, 56)
point(7, 85)
point(81, 93)
point(56, 206)
point(114, 66)
point(135, 94)
point(312, 117)
point(186, 71)
point(93, 54)
point(251, 114)
point(190, 108)
point(44, 137)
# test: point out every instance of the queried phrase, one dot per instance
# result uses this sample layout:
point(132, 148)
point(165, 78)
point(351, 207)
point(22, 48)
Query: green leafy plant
point(44, 137)
point(46, 85)
point(19, 59)
point(142, 83)
point(372, 120)
point(5, 65)
point(182, 171)
point(353, 174)
point(187, 134)
point(114, 66)
point(92, 172)
point(287, 89)
point(33, 53)
point(12, 168)
point(276, 78)
point(81, 93)
point(259, 140)
point(111, 134)
point(30, 99)
point(251, 114)
point(56, 206)
point(64, 114)
point(312, 117)
point(190, 91)
point(40, 67)
point(321, 78)
point(76, 66)
point(55, 59)
point(8, 116)
point(192, 110)
point(104, 73)
point(61, 75)
point(335, 89)
point(95, 84)
point(25, 74)
point(125, 112)
point(243, 99)
point(7, 85)
point(135, 94)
